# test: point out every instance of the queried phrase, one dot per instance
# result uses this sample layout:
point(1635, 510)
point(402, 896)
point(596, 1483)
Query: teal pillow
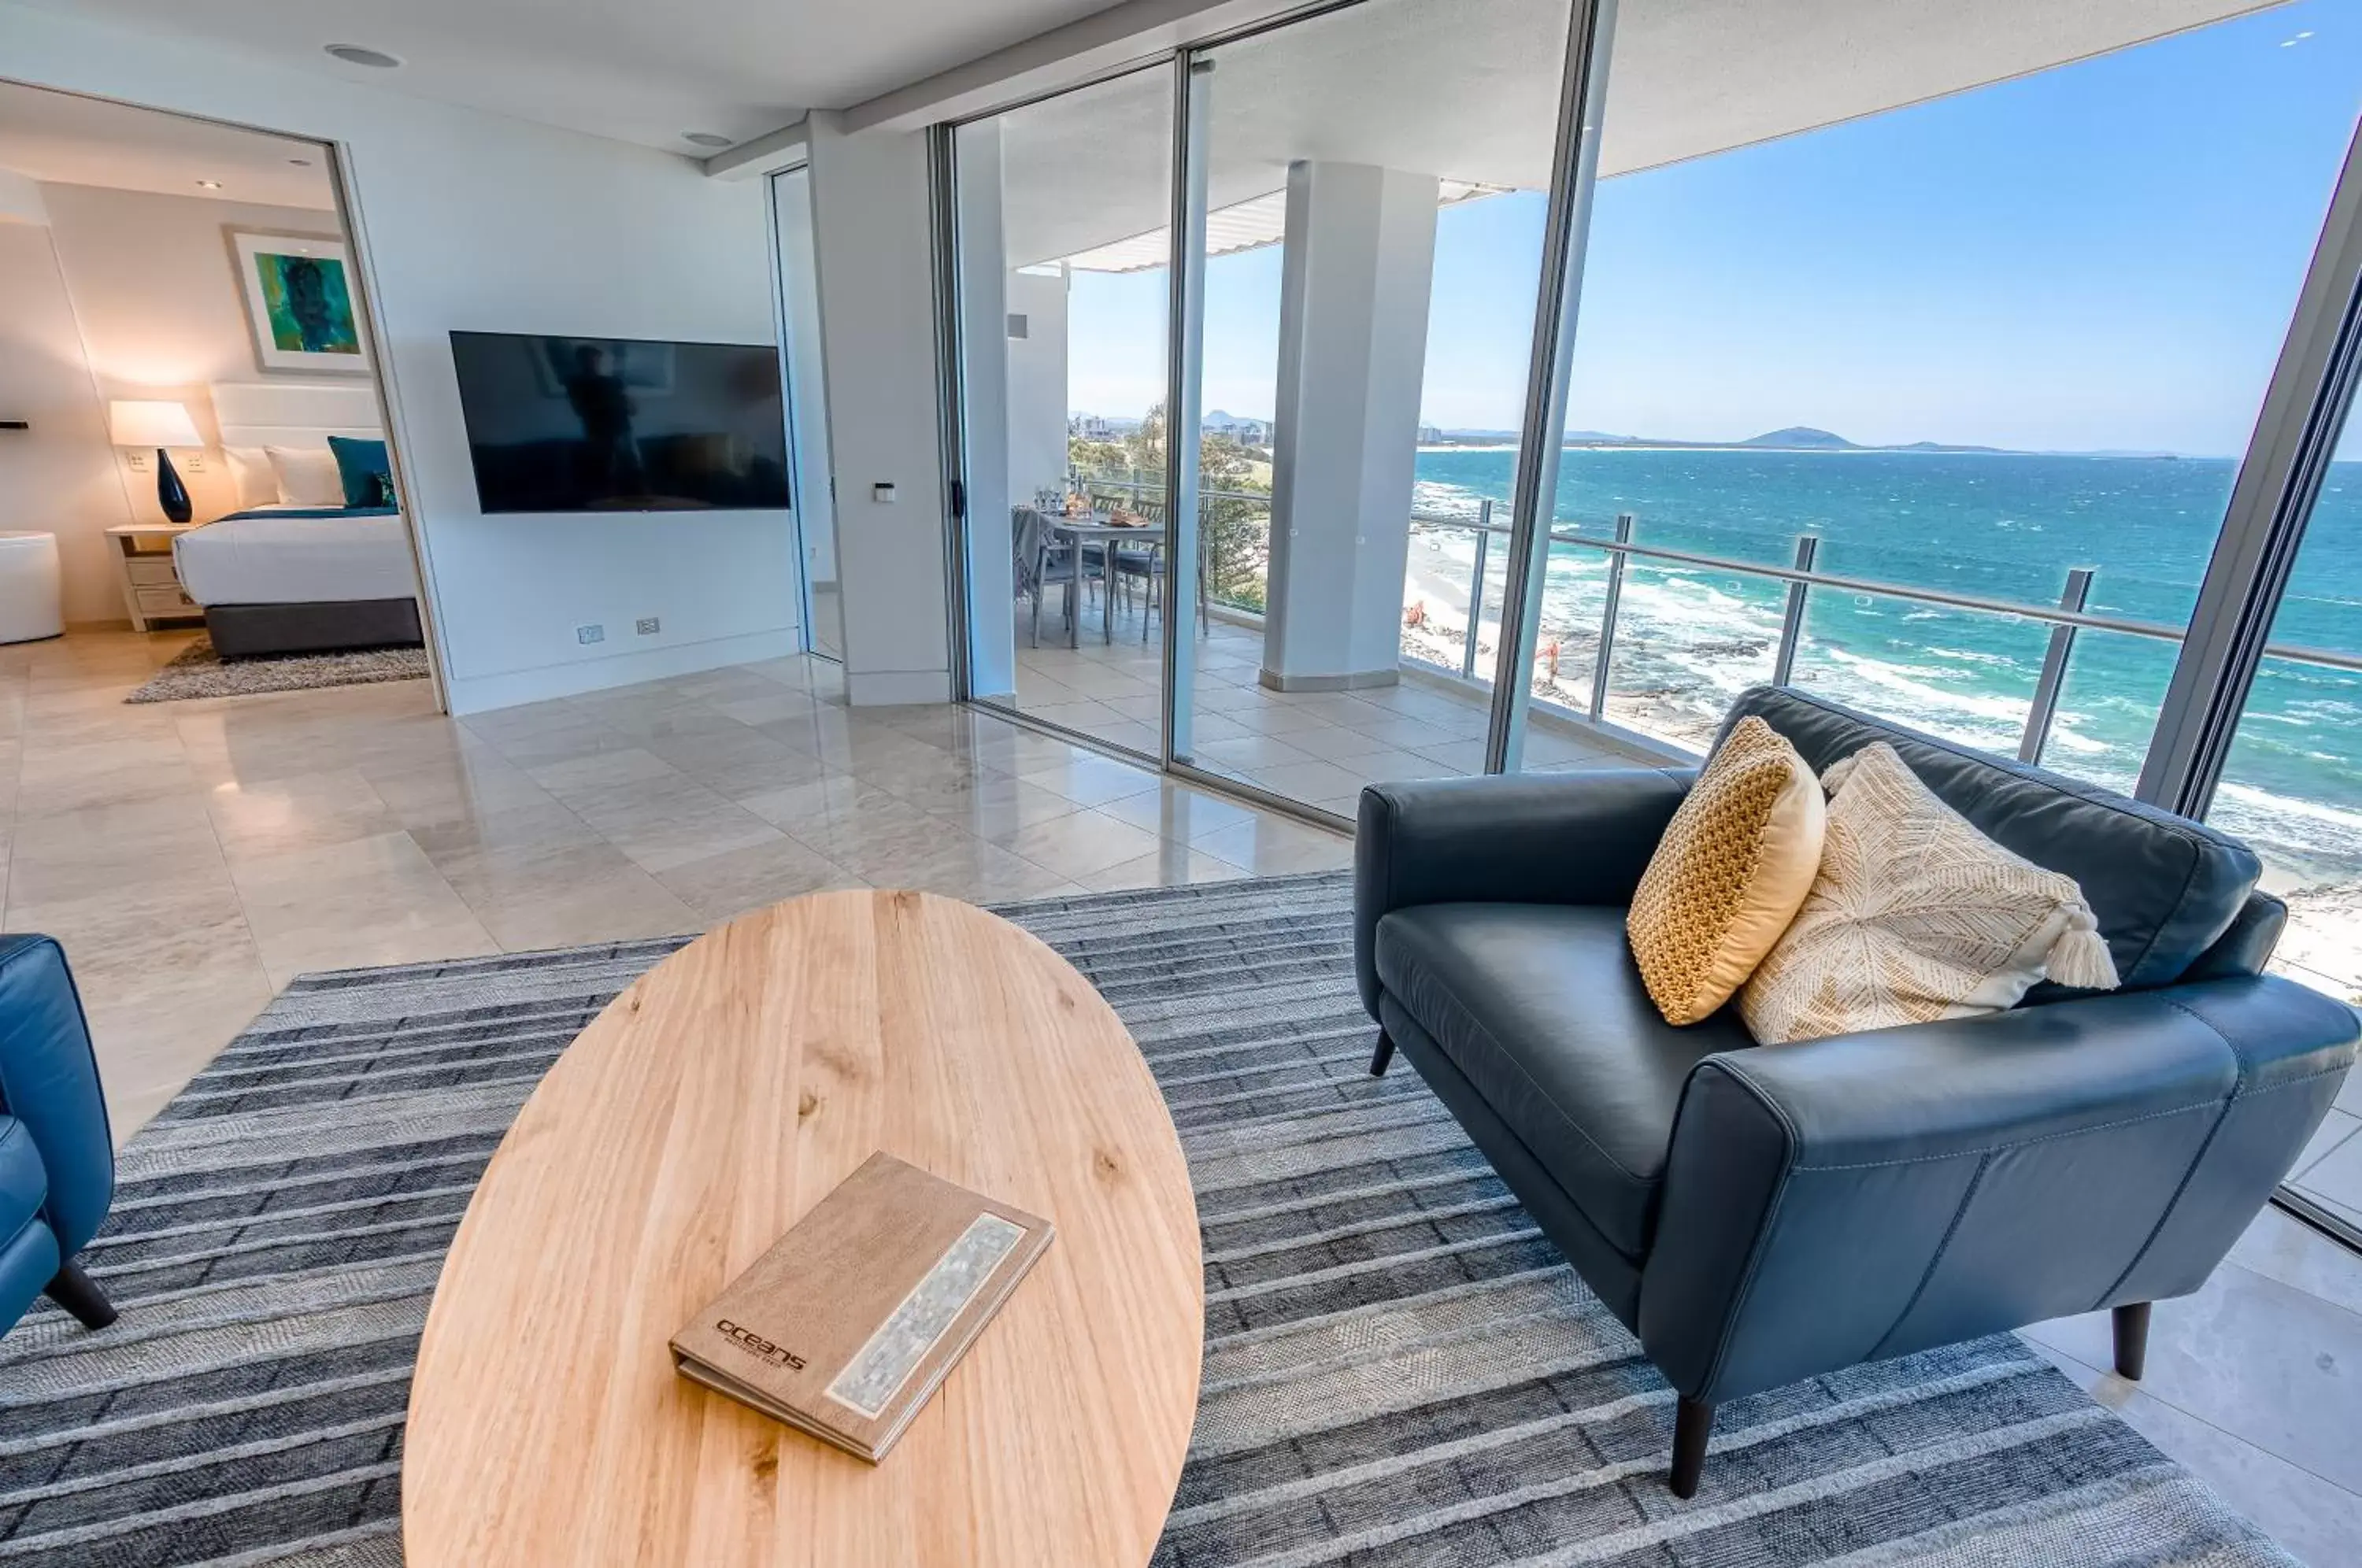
point(366, 471)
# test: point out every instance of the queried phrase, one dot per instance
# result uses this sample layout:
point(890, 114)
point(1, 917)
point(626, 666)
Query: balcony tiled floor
point(1318, 748)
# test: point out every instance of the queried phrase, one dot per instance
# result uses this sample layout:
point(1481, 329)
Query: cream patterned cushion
point(1916, 915)
point(1734, 863)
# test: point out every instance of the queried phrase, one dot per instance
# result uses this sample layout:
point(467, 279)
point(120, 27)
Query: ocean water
point(2004, 527)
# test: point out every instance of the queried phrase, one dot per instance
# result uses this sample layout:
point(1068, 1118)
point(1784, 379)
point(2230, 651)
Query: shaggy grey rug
point(198, 671)
point(1398, 1368)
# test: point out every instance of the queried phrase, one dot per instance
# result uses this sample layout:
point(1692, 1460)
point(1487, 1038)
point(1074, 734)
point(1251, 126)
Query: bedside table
point(151, 589)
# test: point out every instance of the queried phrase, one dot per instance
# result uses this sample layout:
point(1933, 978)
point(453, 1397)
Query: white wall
point(58, 477)
point(475, 221)
point(878, 333)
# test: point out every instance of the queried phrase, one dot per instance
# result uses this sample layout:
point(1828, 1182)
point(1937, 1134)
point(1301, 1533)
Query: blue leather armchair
point(1762, 1214)
point(57, 1157)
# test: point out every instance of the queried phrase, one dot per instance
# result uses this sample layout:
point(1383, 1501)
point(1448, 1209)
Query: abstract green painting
point(307, 303)
point(300, 301)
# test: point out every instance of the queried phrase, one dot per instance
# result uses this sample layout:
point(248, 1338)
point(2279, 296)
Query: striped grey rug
point(1398, 1368)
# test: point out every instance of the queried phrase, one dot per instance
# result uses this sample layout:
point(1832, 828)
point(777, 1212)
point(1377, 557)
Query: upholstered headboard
point(292, 414)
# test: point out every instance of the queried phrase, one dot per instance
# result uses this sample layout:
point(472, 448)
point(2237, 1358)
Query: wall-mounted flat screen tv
point(622, 424)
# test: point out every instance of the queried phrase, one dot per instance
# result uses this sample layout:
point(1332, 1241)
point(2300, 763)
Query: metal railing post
point(1476, 591)
point(1607, 616)
point(2054, 669)
point(1791, 621)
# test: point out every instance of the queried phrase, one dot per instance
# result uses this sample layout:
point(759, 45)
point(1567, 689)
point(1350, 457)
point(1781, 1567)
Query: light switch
point(883, 494)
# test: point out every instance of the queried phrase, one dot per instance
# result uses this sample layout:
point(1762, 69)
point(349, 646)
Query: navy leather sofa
point(57, 1157)
point(1760, 1215)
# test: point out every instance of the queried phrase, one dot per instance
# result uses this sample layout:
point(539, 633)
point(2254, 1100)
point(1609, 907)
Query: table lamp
point(158, 425)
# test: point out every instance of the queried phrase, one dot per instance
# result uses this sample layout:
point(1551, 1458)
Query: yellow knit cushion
point(1917, 915)
point(1735, 863)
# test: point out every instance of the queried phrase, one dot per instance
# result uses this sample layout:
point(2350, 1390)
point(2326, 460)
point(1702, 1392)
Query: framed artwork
point(298, 303)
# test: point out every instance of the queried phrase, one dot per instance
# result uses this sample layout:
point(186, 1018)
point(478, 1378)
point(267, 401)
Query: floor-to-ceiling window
point(2290, 787)
point(1975, 323)
point(1376, 192)
point(1062, 215)
point(1900, 355)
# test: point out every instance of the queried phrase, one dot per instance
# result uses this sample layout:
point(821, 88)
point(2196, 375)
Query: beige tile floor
point(1316, 747)
point(194, 856)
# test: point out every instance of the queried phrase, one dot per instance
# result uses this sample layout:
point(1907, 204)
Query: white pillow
point(1916, 915)
point(307, 476)
point(250, 471)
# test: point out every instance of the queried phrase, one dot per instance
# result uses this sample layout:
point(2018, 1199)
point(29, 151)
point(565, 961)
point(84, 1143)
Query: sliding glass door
point(1403, 389)
point(791, 221)
point(1370, 191)
point(1061, 219)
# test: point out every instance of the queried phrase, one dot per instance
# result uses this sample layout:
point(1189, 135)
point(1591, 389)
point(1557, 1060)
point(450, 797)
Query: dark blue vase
point(171, 494)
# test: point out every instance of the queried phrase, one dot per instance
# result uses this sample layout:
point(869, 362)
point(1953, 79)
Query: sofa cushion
point(1915, 916)
point(1541, 1007)
point(2164, 888)
point(1729, 875)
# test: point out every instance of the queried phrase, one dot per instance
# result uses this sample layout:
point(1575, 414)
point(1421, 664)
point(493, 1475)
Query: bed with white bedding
point(295, 555)
point(287, 573)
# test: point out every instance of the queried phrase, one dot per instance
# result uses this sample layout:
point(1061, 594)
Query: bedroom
point(194, 420)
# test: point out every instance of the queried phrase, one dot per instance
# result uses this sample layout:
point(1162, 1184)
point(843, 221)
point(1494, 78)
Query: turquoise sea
point(2004, 526)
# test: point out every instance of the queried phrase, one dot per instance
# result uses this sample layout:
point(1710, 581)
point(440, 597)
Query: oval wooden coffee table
point(698, 1116)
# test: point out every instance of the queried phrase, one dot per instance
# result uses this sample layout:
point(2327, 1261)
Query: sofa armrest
point(49, 1081)
point(1866, 1196)
point(1532, 838)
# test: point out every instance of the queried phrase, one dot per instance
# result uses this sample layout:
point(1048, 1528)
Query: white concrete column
point(984, 380)
point(1359, 265)
point(877, 342)
point(1037, 382)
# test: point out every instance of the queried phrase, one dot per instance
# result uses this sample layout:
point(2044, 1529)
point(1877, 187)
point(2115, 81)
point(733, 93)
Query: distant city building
point(1430, 436)
point(1090, 428)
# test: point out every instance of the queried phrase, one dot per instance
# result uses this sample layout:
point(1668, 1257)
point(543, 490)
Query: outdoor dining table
point(1097, 530)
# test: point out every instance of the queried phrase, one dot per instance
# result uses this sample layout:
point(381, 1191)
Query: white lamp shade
point(153, 424)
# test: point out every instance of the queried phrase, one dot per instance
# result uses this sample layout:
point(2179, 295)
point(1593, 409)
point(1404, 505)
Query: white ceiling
point(1463, 88)
point(60, 140)
point(633, 70)
point(1468, 90)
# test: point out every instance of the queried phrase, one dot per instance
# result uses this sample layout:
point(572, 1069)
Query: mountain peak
point(1796, 436)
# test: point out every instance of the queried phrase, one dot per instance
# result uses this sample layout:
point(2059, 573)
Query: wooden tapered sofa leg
point(1693, 1425)
point(2132, 1340)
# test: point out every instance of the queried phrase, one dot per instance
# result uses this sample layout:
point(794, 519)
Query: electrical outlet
point(135, 461)
point(587, 635)
point(649, 625)
point(194, 462)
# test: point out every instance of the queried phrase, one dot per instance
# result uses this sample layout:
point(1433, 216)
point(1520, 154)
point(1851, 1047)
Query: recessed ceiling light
point(704, 138)
point(357, 54)
point(208, 184)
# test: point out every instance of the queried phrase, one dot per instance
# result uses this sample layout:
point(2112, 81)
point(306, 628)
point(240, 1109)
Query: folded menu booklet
point(852, 1320)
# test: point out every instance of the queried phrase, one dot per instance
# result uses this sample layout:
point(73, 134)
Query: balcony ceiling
point(1467, 90)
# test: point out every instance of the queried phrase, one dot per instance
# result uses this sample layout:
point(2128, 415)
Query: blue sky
point(2101, 256)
